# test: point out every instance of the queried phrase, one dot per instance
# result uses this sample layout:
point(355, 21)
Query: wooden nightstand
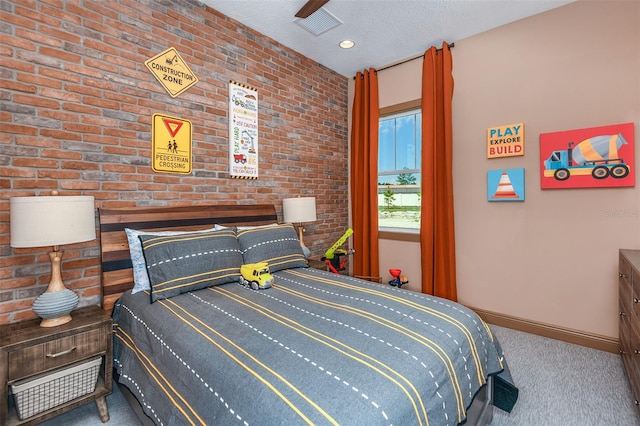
point(315, 263)
point(28, 350)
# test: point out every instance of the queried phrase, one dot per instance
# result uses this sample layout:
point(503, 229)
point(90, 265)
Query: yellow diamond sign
point(171, 71)
point(171, 144)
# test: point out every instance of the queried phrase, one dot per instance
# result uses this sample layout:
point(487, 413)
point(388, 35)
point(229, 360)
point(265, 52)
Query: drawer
point(624, 268)
point(626, 301)
point(45, 356)
point(634, 358)
point(635, 294)
point(629, 344)
point(625, 330)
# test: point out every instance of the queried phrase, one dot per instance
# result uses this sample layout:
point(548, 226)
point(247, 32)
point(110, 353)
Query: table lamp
point(299, 210)
point(52, 221)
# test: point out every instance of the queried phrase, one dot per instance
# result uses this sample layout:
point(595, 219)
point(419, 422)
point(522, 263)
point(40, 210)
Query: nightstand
point(315, 263)
point(29, 351)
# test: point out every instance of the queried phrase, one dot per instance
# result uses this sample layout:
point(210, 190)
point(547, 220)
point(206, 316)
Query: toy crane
point(336, 257)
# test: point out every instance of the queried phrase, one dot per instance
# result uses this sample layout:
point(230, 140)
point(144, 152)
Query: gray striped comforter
point(316, 348)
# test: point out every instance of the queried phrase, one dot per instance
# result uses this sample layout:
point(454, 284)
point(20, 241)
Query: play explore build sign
point(505, 141)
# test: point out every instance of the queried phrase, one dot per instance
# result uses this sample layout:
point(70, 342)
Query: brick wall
point(76, 108)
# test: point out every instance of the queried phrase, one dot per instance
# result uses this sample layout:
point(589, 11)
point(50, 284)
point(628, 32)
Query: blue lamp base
point(54, 307)
point(55, 304)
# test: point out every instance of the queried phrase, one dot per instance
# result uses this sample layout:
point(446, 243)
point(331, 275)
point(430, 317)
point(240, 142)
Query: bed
point(198, 347)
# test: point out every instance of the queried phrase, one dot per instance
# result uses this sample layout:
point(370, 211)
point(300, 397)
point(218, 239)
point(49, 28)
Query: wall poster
point(505, 141)
point(595, 157)
point(171, 71)
point(243, 131)
point(505, 185)
point(171, 140)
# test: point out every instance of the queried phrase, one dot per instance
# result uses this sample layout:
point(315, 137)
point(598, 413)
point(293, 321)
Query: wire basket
point(35, 395)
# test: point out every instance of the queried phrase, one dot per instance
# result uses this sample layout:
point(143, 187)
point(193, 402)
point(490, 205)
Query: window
point(399, 150)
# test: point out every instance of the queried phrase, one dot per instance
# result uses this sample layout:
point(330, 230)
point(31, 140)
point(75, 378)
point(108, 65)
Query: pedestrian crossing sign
point(171, 144)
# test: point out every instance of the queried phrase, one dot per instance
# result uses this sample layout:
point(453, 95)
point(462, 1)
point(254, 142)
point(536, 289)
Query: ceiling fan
point(310, 7)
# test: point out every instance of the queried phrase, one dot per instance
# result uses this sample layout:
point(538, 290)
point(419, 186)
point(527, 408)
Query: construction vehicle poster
point(243, 131)
point(596, 157)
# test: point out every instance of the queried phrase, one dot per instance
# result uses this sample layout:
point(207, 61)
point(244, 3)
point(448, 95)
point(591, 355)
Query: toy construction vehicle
point(256, 275)
point(335, 257)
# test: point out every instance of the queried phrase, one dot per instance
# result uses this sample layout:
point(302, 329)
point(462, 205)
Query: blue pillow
point(140, 276)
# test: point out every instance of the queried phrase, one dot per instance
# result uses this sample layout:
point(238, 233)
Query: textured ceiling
point(385, 31)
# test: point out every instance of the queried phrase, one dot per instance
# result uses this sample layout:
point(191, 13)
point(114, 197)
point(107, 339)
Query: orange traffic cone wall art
point(505, 185)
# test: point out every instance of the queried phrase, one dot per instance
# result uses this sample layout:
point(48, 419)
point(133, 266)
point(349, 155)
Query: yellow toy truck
point(256, 275)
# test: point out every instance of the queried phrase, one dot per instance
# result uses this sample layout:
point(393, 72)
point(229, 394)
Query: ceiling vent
point(319, 22)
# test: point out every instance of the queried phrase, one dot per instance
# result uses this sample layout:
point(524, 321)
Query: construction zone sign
point(171, 144)
point(588, 158)
point(172, 72)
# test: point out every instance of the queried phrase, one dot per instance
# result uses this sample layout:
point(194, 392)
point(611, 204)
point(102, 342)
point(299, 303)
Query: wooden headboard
point(117, 272)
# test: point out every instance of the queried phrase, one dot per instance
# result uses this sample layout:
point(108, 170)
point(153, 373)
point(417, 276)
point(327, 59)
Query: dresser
point(629, 281)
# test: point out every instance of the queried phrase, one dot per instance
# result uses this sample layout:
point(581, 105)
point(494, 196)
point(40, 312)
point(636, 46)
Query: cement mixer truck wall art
point(587, 158)
point(596, 156)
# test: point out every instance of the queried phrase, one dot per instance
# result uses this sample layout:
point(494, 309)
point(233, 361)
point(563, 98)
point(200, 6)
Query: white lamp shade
point(51, 220)
point(299, 209)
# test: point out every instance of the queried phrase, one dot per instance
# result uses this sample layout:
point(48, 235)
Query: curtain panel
point(437, 236)
point(364, 174)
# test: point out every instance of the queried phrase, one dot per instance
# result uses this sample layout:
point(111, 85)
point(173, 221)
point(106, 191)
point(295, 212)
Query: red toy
point(398, 280)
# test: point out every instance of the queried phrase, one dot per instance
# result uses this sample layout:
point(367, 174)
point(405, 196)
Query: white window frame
point(401, 233)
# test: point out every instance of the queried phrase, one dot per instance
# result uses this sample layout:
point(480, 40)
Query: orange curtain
point(364, 174)
point(437, 237)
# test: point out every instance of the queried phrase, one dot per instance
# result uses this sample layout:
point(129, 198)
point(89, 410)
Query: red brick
point(38, 37)
point(60, 54)
point(119, 186)
point(17, 283)
point(59, 75)
point(58, 174)
point(43, 15)
point(34, 184)
point(38, 141)
point(16, 20)
point(80, 185)
point(35, 162)
point(24, 314)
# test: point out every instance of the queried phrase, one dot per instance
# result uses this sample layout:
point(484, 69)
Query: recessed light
point(347, 44)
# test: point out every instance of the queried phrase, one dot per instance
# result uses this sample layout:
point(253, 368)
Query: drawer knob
point(621, 275)
point(636, 300)
point(622, 314)
point(56, 355)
